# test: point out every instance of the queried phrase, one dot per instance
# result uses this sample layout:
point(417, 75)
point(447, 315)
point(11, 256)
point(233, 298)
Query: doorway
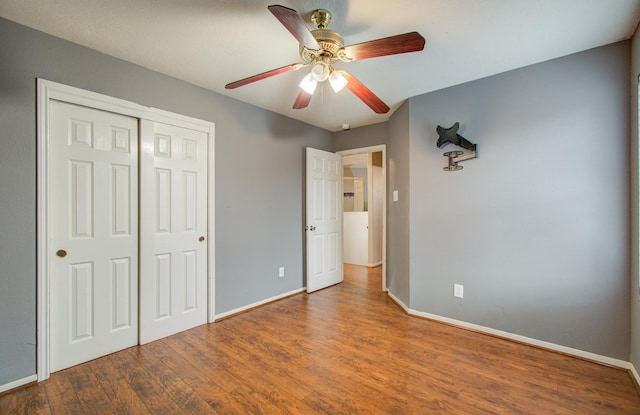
point(365, 203)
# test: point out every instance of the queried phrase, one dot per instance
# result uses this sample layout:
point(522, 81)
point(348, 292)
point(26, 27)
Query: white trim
point(522, 339)
point(47, 91)
point(373, 149)
point(18, 383)
point(211, 219)
point(399, 302)
point(259, 303)
point(66, 93)
point(377, 264)
point(42, 259)
point(634, 373)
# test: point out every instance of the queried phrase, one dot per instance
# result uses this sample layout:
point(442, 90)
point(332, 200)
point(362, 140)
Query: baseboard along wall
point(18, 383)
point(248, 307)
point(577, 353)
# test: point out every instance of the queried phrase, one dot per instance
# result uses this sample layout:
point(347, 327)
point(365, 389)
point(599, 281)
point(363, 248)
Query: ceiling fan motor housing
point(331, 43)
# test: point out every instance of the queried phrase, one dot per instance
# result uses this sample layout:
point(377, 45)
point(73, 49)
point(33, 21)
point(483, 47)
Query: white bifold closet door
point(173, 230)
point(93, 221)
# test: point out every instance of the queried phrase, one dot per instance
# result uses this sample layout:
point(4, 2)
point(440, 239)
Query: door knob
point(61, 253)
point(201, 239)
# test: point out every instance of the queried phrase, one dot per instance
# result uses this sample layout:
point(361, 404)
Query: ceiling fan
point(321, 47)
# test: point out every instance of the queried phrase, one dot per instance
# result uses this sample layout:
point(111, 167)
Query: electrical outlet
point(281, 272)
point(458, 290)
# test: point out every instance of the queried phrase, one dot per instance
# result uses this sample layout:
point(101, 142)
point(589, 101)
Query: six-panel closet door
point(93, 216)
point(173, 229)
point(128, 232)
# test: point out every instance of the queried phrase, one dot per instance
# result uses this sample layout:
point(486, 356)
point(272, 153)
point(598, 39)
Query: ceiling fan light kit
point(321, 47)
point(308, 83)
point(337, 81)
point(320, 71)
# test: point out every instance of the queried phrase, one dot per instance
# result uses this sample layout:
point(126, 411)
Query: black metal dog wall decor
point(450, 136)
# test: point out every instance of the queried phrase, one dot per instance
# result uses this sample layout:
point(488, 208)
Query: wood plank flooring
point(347, 349)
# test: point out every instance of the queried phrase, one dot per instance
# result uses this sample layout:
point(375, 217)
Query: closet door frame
point(47, 91)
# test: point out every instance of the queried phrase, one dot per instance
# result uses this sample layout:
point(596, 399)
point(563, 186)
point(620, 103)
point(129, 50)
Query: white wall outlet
point(395, 195)
point(458, 290)
point(281, 272)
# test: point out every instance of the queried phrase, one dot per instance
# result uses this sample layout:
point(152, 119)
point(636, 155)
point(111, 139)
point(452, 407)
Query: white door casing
point(376, 202)
point(93, 201)
point(173, 230)
point(383, 194)
point(323, 219)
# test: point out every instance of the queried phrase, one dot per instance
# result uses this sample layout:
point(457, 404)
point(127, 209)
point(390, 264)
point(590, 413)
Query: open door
point(324, 219)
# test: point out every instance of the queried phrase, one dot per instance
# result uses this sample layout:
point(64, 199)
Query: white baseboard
point(522, 339)
point(634, 373)
point(399, 302)
point(259, 303)
point(18, 383)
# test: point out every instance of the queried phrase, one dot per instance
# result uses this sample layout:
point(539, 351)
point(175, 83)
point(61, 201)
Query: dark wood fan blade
point(264, 75)
point(302, 100)
point(408, 42)
point(358, 89)
point(295, 25)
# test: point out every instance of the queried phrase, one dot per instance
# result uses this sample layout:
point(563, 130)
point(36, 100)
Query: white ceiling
point(213, 42)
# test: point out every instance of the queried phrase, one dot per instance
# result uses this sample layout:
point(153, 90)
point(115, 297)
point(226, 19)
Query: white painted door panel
point(173, 229)
point(93, 218)
point(324, 219)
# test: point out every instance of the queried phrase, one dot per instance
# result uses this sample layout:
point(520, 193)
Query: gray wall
point(633, 192)
point(537, 228)
point(254, 207)
point(398, 218)
point(367, 136)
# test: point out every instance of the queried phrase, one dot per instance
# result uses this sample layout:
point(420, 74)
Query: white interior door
point(93, 208)
point(173, 230)
point(324, 219)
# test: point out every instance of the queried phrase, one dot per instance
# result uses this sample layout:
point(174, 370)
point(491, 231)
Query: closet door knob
point(61, 253)
point(201, 239)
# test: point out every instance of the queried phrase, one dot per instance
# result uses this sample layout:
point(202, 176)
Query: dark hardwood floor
point(345, 349)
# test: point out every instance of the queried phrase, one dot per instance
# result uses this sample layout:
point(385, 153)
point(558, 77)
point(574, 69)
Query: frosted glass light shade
point(308, 84)
point(337, 81)
point(320, 71)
